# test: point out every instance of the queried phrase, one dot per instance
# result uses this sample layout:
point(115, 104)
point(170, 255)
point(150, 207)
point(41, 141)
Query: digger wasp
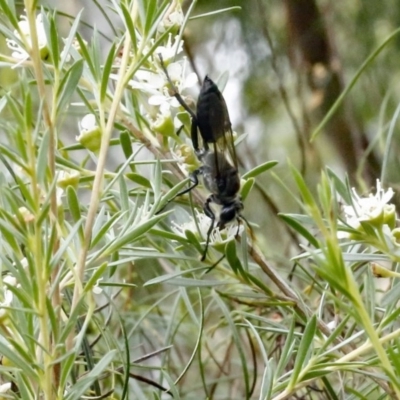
point(217, 155)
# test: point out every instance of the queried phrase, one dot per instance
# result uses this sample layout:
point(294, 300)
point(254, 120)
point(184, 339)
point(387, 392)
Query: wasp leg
point(238, 228)
point(210, 214)
point(175, 91)
point(195, 136)
point(194, 178)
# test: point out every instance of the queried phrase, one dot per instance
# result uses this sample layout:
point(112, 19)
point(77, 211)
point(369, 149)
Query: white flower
point(10, 280)
point(176, 72)
point(22, 53)
point(222, 236)
point(202, 226)
point(7, 297)
point(332, 325)
point(5, 387)
point(164, 102)
point(369, 208)
point(24, 263)
point(97, 288)
point(175, 18)
point(148, 82)
point(170, 50)
point(88, 123)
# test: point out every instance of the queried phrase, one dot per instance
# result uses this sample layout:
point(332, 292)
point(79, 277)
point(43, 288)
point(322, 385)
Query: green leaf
point(216, 12)
point(53, 319)
point(341, 187)
point(236, 338)
point(105, 226)
point(28, 111)
point(96, 54)
point(165, 278)
point(53, 39)
point(106, 72)
point(149, 14)
point(157, 179)
point(231, 256)
point(246, 188)
point(9, 13)
point(287, 351)
point(133, 234)
point(293, 223)
point(42, 160)
point(67, 368)
point(71, 37)
point(303, 187)
point(76, 392)
point(74, 209)
point(128, 24)
point(169, 236)
point(304, 351)
point(98, 273)
point(68, 85)
point(193, 239)
point(139, 179)
point(16, 108)
point(17, 357)
point(171, 384)
point(171, 194)
point(189, 282)
point(259, 169)
point(123, 192)
point(126, 145)
point(85, 54)
point(267, 381)
point(65, 244)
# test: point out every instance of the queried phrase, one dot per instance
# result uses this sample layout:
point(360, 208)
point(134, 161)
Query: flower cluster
point(373, 210)
point(200, 225)
point(159, 107)
point(162, 107)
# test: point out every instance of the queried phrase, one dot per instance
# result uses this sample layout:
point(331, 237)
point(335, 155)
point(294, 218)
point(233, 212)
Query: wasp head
point(229, 212)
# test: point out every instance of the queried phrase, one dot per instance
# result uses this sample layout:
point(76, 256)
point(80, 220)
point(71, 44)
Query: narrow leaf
point(68, 85)
point(304, 350)
point(259, 169)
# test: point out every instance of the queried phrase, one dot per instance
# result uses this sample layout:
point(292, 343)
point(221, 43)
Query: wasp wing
point(226, 143)
point(214, 123)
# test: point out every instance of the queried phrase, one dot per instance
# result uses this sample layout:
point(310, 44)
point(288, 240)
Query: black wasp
point(219, 166)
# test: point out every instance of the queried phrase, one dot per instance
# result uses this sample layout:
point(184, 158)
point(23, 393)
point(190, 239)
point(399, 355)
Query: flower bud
point(164, 124)
point(66, 179)
point(90, 133)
